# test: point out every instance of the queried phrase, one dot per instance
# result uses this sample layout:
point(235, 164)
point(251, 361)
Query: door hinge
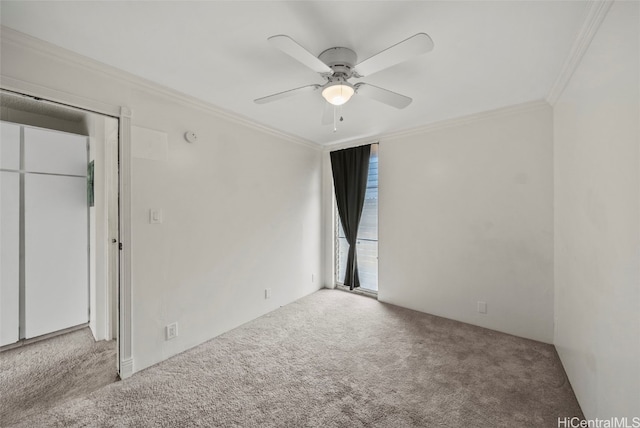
point(120, 246)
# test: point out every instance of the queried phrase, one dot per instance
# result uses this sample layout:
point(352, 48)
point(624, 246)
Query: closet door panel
point(9, 257)
point(9, 146)
point(56, 253)
point(54, 152)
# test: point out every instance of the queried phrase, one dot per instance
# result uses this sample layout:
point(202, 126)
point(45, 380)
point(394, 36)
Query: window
point(367, 244)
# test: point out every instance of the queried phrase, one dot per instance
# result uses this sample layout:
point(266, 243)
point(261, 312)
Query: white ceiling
point(487, 54)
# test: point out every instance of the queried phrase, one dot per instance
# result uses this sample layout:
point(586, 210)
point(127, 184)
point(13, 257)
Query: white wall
point(241, 206)
point(597, 220)
point(466, 215)
point(329, 222)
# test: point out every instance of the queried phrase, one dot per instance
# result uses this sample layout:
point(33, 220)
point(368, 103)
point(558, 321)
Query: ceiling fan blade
point(289, 46)
point(286, 94)
point(415, 45)
point(383, 95)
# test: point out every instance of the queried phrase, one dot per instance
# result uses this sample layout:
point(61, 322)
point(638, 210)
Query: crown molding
point(25, 41)
point(444, 124)
point(596, 12)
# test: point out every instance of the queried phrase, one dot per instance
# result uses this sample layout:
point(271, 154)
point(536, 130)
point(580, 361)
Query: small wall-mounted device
point(171, 331)
point(482, 307)
point(191, 137)
point(155, 215)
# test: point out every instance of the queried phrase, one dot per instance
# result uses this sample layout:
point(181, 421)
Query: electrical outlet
point(267, 293)
point(171, 331)
point(482, 307)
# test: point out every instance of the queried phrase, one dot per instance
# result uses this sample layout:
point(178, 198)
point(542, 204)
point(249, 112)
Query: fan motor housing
point(340, 60)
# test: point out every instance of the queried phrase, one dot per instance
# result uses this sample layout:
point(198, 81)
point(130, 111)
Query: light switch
point(155, 216)
point(482, 307)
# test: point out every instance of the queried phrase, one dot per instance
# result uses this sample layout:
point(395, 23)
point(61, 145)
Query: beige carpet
point(41, 375)
point(335, 359)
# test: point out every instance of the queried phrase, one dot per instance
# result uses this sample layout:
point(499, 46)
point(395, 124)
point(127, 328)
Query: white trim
point(60, 97)
point(596, 12)
point(448, 123)
point(125, 358)
point(336, 245)
point(112, 186)
point(126, 368)
point(11, 36)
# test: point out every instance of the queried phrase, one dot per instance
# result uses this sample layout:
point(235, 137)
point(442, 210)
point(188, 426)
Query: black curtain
point(350, 171)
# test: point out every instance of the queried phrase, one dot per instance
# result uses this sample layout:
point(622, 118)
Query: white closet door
point(54, 152)
point(9, 146)
point(56, 253)
point(9, 256)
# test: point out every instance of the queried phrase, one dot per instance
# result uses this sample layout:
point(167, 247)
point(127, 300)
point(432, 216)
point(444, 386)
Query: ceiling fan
point(338, 64)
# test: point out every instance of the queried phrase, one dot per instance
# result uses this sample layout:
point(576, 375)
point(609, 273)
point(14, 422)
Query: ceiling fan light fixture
point(338, 93)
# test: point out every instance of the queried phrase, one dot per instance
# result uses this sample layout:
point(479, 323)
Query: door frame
point(123, 115)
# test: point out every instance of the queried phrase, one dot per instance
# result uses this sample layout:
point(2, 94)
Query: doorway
point(94, 189)
point(56, 217)
point(49, 96)
point(70, 361)
point(367, 242)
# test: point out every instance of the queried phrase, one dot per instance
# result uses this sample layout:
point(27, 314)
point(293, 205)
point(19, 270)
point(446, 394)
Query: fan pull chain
point(337, 111)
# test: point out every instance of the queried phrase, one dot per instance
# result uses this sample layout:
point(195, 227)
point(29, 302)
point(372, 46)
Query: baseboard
point(126, 368)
